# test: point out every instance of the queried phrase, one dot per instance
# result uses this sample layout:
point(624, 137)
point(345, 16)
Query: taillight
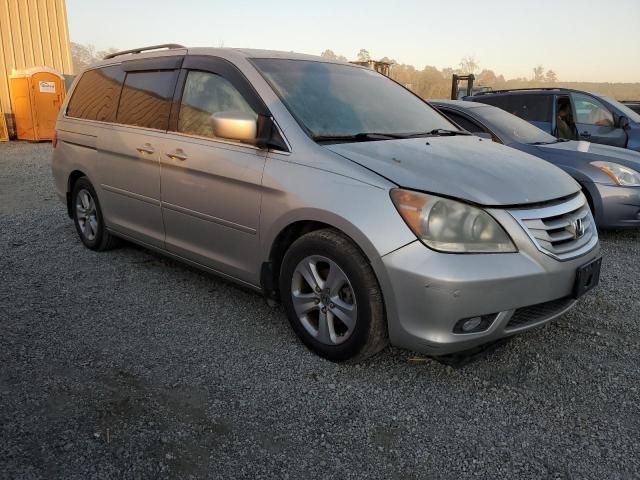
point(54, 140)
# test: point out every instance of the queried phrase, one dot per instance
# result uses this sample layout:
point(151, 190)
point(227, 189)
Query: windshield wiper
point(358, 137)
point(549, 143)
point(439, 132)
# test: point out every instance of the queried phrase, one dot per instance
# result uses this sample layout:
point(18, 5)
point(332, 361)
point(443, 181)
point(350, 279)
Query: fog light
point(471, 324)
point(474, 324)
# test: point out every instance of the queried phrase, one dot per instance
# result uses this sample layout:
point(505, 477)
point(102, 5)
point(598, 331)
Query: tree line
point(430, 82)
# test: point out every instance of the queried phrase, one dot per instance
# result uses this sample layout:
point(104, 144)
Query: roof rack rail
point(145, 49)
point(518, 90)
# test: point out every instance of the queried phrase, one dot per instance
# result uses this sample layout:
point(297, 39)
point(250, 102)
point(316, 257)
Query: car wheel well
point(73, 178)
point(587, 194)
point(270, 274)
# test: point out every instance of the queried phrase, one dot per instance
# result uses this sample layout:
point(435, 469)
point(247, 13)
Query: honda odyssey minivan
point(328, 187)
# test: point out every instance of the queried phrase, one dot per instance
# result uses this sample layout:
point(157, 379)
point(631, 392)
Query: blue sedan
point(609, 176)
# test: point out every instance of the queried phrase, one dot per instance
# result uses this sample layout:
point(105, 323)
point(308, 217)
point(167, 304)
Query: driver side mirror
point(238, 126)
point(243, 127)
point(623, 122)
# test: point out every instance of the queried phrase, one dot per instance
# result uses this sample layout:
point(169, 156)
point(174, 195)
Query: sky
point(579, 40)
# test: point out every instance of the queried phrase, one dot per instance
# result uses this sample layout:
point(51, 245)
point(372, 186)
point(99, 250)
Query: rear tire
point(332, 297)
point(88, 218)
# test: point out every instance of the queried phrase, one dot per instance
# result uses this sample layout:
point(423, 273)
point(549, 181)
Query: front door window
point(590, 111)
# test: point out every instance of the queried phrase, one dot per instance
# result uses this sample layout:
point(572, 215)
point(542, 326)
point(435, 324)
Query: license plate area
point(587, 277)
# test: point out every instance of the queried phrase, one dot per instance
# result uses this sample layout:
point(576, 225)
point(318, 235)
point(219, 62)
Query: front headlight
point(449, 226)
point(621, 175)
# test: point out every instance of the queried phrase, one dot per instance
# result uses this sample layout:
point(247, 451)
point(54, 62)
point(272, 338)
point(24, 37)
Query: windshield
point(332, 100)
point(626, 111)
point(512, 127)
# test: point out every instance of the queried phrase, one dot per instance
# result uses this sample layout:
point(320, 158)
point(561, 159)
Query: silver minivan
point(329, 188)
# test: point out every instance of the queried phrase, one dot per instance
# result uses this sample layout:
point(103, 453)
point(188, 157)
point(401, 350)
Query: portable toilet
point(36, 96)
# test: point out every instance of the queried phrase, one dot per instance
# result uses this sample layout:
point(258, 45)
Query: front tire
point(332, 297)
point(88, 218)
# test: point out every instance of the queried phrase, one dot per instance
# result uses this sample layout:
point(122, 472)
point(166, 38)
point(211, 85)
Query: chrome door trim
point(209, 218)
point(135, 196)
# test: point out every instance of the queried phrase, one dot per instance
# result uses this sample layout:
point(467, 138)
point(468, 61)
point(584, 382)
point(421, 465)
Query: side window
point(96, 95)
point(464, 122)
point(146, 99)
point(590, 111)
point(497, 101)
point(205, 94)
point(533, 108)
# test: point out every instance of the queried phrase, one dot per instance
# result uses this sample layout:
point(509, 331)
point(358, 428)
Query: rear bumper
point(615, 207)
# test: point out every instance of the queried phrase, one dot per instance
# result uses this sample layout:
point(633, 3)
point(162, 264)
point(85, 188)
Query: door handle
point(177, 155)
point(585, 135)
point(146, 148)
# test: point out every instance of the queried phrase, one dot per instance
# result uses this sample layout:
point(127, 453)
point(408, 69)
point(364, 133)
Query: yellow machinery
point(36, 96)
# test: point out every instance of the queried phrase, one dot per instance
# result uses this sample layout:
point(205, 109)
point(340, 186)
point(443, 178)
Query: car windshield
point(333, 100)
point(513, 127)
point(626, 111)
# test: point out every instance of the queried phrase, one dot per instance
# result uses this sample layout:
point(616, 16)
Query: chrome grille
point(563, 230)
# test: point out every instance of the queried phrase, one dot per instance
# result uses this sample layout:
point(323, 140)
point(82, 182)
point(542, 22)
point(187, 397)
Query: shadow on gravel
point(480, 353)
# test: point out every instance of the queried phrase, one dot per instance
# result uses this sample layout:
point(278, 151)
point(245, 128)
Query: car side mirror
point(486, 135)
point(623, 122)
point(235, 126)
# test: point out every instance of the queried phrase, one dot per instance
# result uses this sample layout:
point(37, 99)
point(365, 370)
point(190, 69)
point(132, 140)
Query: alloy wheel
point(86, 214)
point(324, 300)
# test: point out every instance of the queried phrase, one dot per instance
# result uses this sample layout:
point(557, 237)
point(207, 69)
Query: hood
point(468, 168)
point(591, 152)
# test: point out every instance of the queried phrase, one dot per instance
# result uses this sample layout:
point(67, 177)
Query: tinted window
point(511, 128)
point(340, 100)
point(590, 111)
point(533, 108)
point(464, 122)
point(205, 94)
point(96, 95)
point(146, 99)
point(500, 102)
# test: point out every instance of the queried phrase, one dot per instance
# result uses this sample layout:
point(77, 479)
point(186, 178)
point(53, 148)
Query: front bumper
point(426, 293)
point(615, 207)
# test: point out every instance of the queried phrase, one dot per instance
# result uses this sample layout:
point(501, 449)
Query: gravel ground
point(128, 365)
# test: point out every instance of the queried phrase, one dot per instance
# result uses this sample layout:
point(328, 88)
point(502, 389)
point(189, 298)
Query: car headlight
point(621, 175)
point(450, 226)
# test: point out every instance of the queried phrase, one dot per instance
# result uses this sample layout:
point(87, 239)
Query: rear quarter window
point(146, 99)
point(496, 101)
point(533, 108)
point(97, 94)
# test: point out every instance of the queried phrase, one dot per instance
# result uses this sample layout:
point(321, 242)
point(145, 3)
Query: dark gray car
point(584, 115)
point(608, 175)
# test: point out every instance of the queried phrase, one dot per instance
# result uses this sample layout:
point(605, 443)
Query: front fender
point(294, 193)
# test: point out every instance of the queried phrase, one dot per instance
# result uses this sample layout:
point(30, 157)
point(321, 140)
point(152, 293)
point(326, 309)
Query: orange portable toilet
point(36, 96)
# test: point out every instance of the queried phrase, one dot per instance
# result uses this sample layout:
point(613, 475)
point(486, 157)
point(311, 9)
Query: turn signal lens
point(451, 226)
